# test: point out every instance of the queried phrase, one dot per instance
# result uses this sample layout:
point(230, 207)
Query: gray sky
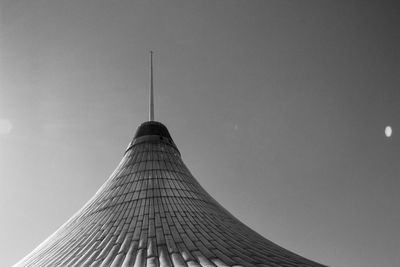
point(278, 108)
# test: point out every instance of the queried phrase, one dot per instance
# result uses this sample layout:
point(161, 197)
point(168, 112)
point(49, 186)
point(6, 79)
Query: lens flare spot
point(388, 131)
point(5, 126)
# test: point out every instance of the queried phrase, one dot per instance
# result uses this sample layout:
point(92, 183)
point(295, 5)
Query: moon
point(388, 131)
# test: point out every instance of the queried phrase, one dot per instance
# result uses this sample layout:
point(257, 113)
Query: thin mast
point(151, 93)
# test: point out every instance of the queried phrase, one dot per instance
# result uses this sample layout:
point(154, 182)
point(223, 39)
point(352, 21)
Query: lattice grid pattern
point(153, 212)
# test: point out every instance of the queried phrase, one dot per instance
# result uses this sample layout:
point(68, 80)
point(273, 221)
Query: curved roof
point(153, 212)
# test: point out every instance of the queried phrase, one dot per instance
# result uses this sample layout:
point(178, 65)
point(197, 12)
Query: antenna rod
point(151, 96)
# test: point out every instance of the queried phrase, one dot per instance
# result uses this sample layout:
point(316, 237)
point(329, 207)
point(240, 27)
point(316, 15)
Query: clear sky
point(278, 108)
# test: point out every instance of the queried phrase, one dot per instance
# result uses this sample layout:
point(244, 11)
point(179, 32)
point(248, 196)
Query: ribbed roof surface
point(153, 212)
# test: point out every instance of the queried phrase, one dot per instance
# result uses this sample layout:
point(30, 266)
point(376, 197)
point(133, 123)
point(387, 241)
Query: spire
point(153, 212)
point(151, 93)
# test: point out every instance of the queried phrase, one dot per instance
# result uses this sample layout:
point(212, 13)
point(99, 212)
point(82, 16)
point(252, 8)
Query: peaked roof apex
point(152, 131)
point(152, 128)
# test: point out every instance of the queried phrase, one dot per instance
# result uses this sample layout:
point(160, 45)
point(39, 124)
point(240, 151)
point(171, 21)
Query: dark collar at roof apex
point(152, 131)
point(152, 128)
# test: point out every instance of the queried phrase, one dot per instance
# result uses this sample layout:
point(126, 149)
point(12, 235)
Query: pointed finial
point(151, 93)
